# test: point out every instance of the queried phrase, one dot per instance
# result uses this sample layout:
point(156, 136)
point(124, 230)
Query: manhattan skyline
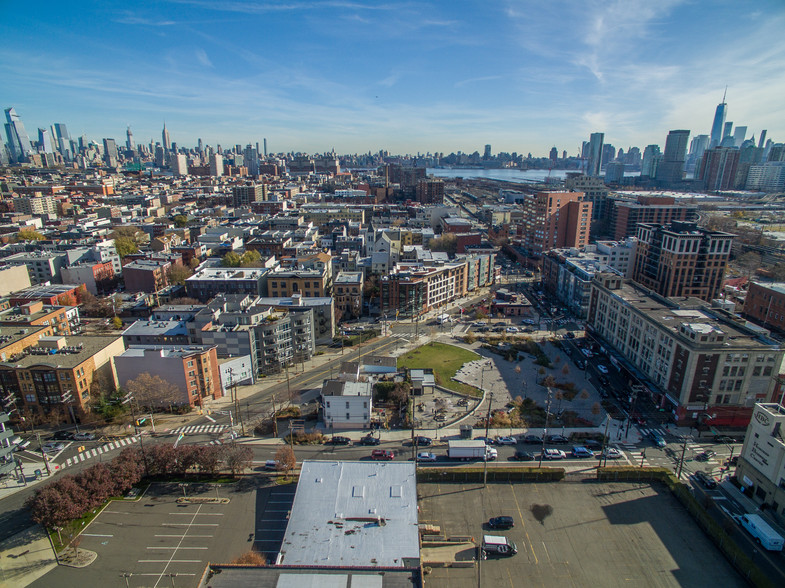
point(407, 77)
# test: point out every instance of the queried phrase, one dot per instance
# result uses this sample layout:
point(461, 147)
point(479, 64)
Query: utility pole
point(683, 451)
point(545, 430)
point(46, 461)
point(129, 398)
point(605, 441)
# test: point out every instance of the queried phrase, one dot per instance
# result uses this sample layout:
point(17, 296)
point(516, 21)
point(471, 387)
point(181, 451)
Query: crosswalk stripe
point(68, 462)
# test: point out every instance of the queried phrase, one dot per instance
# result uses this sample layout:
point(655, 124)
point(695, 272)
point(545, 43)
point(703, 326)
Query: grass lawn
point(445, 361)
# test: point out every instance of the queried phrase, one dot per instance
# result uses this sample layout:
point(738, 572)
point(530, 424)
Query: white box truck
point(762, 531)
point(443, 318)
point(470, 449)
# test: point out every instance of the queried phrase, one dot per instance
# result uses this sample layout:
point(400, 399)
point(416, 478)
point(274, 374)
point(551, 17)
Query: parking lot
point(156, 542)
point(577, 534)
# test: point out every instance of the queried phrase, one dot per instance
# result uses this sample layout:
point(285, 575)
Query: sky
point(408, 77)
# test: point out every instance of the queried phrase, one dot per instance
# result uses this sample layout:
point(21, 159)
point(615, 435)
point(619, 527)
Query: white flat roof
point(349, 513)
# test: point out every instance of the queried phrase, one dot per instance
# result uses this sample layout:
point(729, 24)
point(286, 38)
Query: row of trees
point(72, 495)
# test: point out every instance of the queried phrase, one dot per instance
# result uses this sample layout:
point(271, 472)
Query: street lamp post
point(545, 430)
point(129, 399)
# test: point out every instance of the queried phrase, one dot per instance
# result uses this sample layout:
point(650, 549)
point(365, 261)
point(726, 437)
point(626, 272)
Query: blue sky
point(359, 75)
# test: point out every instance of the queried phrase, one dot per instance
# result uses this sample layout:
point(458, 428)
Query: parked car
point(462, 402)
point(557, 439)
point(532, 439)
point(63, 436)
point(19, 443)
point(569, 335)
point(602, 369)
point(84, 437)
point(423, 441)
point(553, 454)
point(502, 522)
point(592, 444)
point(611, 453)
point(580, 364)
point(512, 329)
point(440, 417)
point(505, 441)
point(370, 440)
point(706, 480)
point(426, 456)
point(382, 454)
point(604, 382)
point(724, 439)
point(587, 353)
point(339, 440)
point(271, 465)
point(521, 455)
point(52, 447)
point(705, 455)
point(580, 451)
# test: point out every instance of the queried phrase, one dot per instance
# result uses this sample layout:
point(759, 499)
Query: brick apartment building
point(553, 220)
point(681, 259)
point(625, 216)
point(765, 304)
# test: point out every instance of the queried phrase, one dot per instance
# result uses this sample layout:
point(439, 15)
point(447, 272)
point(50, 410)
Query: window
point(767, 370)
point(347, 405)
point(328, 404)
point(348, 416)
point(190, 363)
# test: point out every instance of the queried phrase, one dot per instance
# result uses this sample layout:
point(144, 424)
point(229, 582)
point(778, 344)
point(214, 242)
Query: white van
point(498, 544)
point(763, 533)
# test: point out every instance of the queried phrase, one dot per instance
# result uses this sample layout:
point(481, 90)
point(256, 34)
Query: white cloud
point(201, 57)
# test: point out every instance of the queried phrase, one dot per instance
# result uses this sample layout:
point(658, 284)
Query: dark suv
point(338, 440)
point(706, 480)
point(501, 523)
point(370, 440)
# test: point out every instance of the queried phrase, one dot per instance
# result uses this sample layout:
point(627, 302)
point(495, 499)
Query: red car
point(382, 454)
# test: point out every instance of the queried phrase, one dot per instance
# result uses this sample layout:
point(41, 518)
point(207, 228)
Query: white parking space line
point(95, 535)
point(201, 514)
point(155, 574)
point(167, 561)
point(189, 536)
point(176, 547)
point(209, 418)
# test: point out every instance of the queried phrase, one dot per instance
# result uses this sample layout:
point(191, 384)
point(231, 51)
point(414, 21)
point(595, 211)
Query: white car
point(512, 329)
point(553, 454)
point(505, 441)
point(602, 369)
point(587, 353)
point(84, 437)
point(612, 453)
point(426, 456)
point(52, 447)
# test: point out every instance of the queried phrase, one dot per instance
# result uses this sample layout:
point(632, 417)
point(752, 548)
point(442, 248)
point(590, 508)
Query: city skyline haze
point(408, 77)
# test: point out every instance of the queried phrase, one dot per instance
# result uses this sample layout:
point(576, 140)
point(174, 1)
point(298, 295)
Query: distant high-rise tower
point(762, 141)
point(251, 161)
point(739, 134)
point(651, 159)
point(18, 141)
point(719, 122)
point(671, 168)
point(45, 141)
point(200, 145)
point(129, 140)
point(595, 154)
point(167, 144)
point(61, 139)
point(487, 154)
point(265, 147)
point(216, 165)
point(554, 154)
point(727, 130)
point(110, 152)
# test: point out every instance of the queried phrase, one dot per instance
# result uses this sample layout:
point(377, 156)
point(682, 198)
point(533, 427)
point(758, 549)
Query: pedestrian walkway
point(199, 430)
point(636, 455)
point(91, 453)
point(658, 431)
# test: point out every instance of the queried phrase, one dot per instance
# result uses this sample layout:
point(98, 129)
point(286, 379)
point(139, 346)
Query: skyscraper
point(651, 159)
point(61, 139)
point(265, 147)
point(487, 153)
point(18, 141)
point(719, 121)
point(216, 165)
point(129, 140)
point(739, 135)
point(671, 168)
point(165, 139)
point(554, 155)
point(595, 154)
point(110, 152)
point(45, 141)
point(718, 168)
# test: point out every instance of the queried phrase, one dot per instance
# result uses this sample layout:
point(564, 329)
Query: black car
point(591, 444)
point(63, 436)
point(370, 440)
point(724, 439)
point(557, 439)
point(604, 381)
point(532, 439)
point(501, 523)
point(338, 440)
point(423, 441)
point(569, 335)
point(705, 456)
point(521, 455)
point(706, 480)
point(580, 364)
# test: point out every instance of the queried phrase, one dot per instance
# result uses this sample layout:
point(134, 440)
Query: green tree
point(180, 221)
point(178, 274)
point(250, 258)
point(447, 243)
point(117, 323)
point(29, 235)
point(125, 246)
point(231, 259)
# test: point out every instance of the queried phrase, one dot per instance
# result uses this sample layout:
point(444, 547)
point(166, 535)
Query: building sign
point(759, 455)
point(762, 418)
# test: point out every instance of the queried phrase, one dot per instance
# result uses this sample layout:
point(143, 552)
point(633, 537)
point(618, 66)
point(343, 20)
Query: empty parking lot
point(156, 542)
point(577, 534)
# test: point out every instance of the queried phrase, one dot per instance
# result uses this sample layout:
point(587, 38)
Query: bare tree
point(154, 391)
point(250, 558)
point(565, 370)
point(285, 459)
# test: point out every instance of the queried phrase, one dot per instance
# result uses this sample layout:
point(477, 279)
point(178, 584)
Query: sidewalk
point(25, 557)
